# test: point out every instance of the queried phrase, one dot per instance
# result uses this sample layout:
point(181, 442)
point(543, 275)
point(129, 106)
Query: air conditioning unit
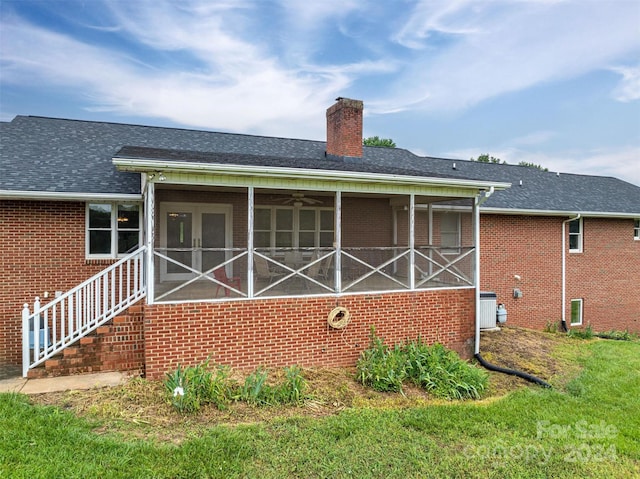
point(488, 310)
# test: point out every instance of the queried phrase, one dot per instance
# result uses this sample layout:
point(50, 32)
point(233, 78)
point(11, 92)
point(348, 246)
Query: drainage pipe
point(513, 372)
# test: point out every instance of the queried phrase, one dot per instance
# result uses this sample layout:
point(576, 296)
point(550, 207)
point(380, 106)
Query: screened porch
point(243, 243)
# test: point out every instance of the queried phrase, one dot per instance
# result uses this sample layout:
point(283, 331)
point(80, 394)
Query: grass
point(585, 428)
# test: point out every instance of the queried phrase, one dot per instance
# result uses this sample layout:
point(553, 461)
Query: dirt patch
point(140, 408)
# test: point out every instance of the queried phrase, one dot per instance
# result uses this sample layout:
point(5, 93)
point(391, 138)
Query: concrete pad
point(12, 385)
point(66, 383)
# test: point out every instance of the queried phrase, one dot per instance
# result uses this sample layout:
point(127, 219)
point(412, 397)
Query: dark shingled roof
point(70, 156)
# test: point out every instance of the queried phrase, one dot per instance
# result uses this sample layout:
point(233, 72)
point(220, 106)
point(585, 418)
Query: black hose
point(513, 372)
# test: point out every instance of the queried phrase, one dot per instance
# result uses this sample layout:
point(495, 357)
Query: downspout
point(479, 200)
point(564, 271)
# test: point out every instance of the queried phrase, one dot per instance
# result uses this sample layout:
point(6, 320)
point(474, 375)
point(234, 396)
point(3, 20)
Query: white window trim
point(636, 229)
point(296, 224)
point(580, 236)
point(114, 229)
point(579, 323)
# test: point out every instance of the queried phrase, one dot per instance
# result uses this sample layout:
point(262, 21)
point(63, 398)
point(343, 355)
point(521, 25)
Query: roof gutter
point(71, 196)
point(131, 164)
point(591, 214)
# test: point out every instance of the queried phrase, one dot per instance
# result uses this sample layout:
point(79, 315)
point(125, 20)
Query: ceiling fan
point(298, 199)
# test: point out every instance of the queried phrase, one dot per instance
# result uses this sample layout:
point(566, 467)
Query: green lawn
point(588, 428)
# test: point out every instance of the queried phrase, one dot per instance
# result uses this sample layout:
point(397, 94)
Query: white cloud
point(629, 87)
point(502, 47)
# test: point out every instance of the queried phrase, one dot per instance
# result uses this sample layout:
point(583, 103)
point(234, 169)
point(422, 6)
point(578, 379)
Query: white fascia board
point(61, 196)
point(129, 164)
point(590, 214)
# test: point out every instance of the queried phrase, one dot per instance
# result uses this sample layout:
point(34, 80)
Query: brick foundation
point(287, 331)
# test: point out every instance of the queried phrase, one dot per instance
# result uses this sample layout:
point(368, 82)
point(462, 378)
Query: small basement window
point(576, 312)
point(112, 229)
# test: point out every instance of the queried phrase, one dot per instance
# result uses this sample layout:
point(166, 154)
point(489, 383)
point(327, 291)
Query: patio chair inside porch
point(226, 282)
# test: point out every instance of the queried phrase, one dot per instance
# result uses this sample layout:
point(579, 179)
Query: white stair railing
point(49, 329)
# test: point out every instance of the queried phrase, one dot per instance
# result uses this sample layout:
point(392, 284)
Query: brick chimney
point(344, 128)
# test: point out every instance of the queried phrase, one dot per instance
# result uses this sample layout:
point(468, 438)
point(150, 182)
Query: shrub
point(382, 368)
point(255, 389)
point(586, 333)
point(433, 368)
point(195, 386)
point(291, 391)
point(619, 335)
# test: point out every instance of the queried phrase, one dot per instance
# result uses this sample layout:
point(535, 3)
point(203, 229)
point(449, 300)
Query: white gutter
point(481, 198)
point(62, 196)
point(591, 214)
point(564, 266)
point(130, 164)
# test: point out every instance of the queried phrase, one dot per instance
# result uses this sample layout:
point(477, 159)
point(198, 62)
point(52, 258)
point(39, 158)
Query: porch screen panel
point(213, 236)
point(179, 240)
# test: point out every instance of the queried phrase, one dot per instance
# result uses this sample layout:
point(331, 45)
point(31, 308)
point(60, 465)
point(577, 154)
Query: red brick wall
point(41, 249)
point(281, 332)
point(604, 274)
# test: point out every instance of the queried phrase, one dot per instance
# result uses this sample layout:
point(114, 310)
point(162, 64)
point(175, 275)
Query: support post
point(149, 210)
point(412, 241)
point(338, 242)
point(250, 216)
point(25, 340)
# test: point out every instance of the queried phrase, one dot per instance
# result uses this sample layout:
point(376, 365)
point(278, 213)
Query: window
point(636, 229)
point(113, 229)
point(286, 227)
point(450, 233)
point(576, 312)
point(575, 236)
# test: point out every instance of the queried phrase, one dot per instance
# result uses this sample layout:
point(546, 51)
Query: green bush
point(382, 368)
point(291, 391)
point(195, 386)
point(586, 333)
point(433, 368)
point(619, 335)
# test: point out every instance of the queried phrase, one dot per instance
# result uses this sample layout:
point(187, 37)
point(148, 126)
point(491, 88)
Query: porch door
point(189, 232)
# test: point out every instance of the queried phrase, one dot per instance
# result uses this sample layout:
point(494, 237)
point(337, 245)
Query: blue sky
point(553, 82)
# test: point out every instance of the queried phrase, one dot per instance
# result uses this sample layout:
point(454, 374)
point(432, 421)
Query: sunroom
point(222, 227)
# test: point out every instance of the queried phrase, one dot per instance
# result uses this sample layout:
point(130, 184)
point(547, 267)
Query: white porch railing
point(49, 329)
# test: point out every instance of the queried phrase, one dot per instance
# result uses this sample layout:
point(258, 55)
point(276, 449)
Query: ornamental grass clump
point(435, 368)
point(192, 387)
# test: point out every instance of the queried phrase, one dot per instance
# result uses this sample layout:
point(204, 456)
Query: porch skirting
point(286, 331)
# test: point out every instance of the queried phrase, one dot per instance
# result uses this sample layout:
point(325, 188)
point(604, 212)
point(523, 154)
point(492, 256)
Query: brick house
point(148, 247)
